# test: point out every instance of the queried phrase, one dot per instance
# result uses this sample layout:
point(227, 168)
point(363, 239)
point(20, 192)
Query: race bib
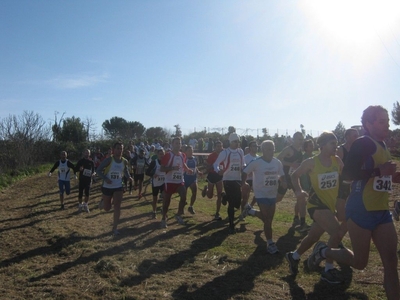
point(383, 183)
point(177, 176)
point(160, 179)
point(114, 175)
point(87, 172)
point(62, 170)
point(235, 168)
point(270, 180)
point(328, 181)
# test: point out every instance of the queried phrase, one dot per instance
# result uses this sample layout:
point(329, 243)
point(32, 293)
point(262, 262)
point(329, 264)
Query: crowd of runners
point(344, 189)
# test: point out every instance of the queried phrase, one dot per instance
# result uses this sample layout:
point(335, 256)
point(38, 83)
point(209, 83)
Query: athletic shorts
point(157, 190)
point(369, 220)
point(266, 201)
point(137, 177)
point(64, 185)
point(214, 178)
point(233, 191)
point(172, 188)
point(84, 187)
point(189, 181)
point(110, 192)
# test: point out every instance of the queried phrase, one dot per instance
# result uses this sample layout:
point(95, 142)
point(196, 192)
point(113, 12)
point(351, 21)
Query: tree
point(73, 130)
point(339, 132)
point(136, 130)
point(178, 131)
point(115, 128)
point(303, 131)
point(396, 113)
point(153, 133)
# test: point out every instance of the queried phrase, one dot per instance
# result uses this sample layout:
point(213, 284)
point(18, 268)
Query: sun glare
point(353, 26)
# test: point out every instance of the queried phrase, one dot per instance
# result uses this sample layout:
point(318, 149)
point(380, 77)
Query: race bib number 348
point(383, 183)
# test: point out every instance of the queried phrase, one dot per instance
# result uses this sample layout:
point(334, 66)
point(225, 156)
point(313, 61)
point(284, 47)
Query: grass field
point(48, 253)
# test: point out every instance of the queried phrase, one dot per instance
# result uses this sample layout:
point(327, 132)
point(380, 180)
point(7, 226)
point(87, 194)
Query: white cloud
point(77, 81)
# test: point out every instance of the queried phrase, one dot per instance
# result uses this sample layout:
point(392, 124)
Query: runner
point(112, 170)
point(267, 171)
point(233, 161)
point(139, 163)
point(174, 164)
point(214, 179)
point(324, 170)
point(64, 166)
point(191, 179)
point(370, 168)
point(248, 158)
point(158, 178)
point(85, 167)
point(291, 158)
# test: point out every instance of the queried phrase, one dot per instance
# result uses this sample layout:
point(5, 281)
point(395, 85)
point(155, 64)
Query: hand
point(76, 177)
point(388, 168)
point(396, 177)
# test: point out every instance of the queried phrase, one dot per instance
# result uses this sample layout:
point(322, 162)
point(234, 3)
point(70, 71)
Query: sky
point(202, 64)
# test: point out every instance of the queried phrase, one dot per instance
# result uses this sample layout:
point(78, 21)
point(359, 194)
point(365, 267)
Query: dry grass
point(48, 253)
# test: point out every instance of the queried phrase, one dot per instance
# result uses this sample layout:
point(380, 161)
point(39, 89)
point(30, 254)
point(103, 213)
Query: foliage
point(339, 132)
point(154, 133)
point(396, 113)
point(178, 131)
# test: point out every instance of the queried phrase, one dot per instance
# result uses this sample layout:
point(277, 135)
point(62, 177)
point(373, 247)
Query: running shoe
point(140, 196)
point(80, 206)
point(293, 263)
point(179, 219)
point(191, 210)
point(332, 276)
point(303, 228)
point(245, 211)
point(272, 248)
point(224, 201)
point(315, 258)
point(86, 207)
point(163, 224)
point(232, 230)
point(116, 232)
point(217, 217)
point(62, 206)
point(154, 215)
point(396, 210)
point(204, 191)
point(296, 222)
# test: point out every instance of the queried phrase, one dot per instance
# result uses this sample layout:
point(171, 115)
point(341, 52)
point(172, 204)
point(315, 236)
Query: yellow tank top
point(325, 184)
point(376, 190)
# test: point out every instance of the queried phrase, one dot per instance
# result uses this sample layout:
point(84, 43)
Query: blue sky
point(201, 64)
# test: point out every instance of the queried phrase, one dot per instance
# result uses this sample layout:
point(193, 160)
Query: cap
point(233, 137)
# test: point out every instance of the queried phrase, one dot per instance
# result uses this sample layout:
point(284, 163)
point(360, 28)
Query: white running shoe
point(86, 207)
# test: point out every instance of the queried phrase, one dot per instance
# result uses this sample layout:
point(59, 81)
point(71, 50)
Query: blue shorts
point(266, 201)
point(369, 220)
point(189, 180)
point(64, 184)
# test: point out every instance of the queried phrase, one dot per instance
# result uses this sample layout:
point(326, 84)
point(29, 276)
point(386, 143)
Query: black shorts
point(110, 192)
point(157, 189)
point(214, 178)
point(138, 177)
point(233, 190)
point(84, 187)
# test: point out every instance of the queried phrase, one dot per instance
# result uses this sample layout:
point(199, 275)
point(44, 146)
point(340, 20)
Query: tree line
point(27, 140)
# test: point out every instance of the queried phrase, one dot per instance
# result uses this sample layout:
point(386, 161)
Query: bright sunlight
point(355, 27)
